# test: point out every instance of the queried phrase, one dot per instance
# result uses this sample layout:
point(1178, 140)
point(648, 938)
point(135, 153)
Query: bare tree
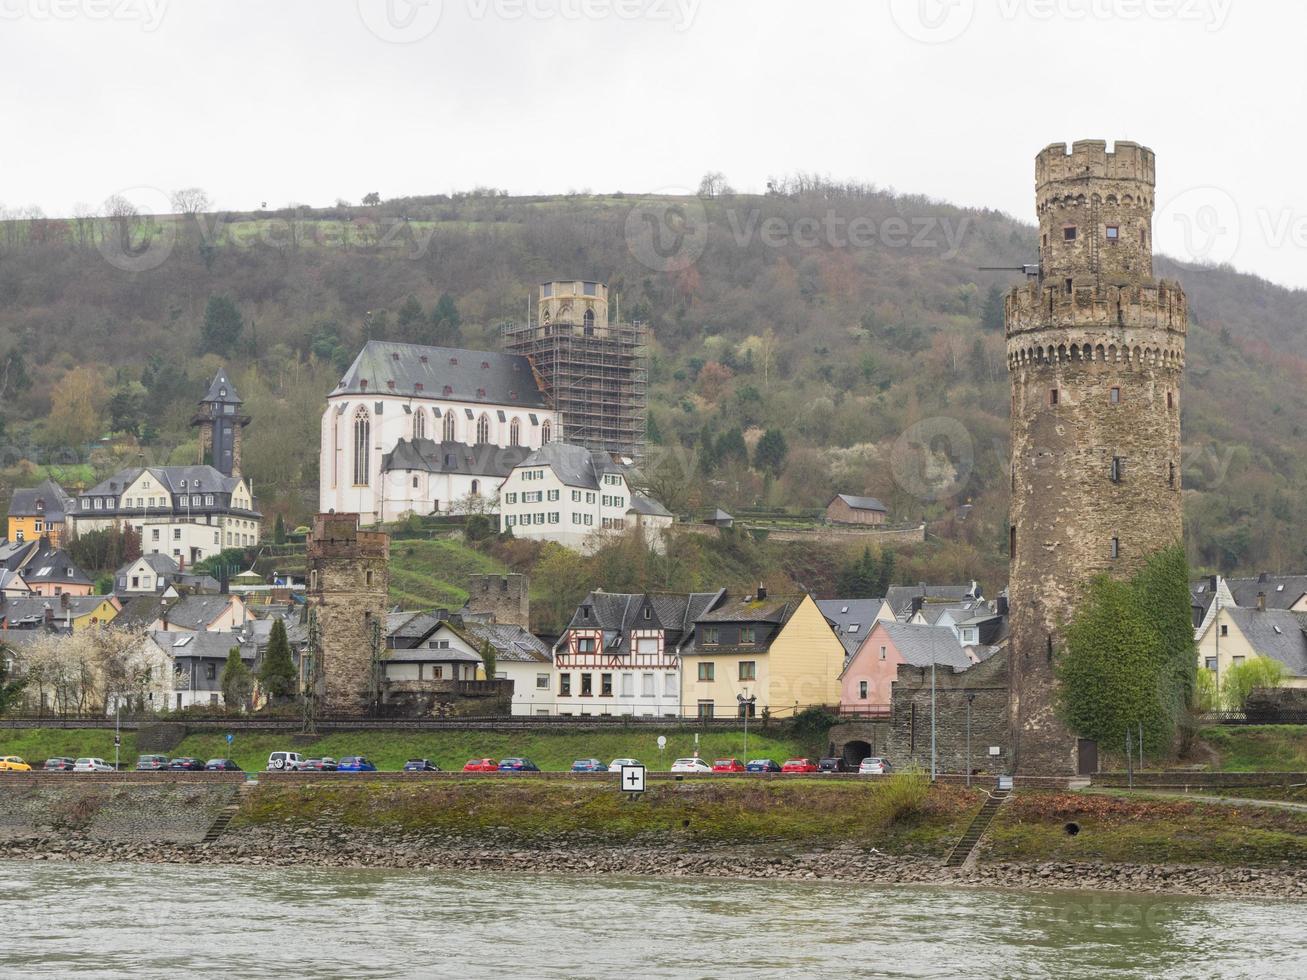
point(123, 215)
point(191, 201)
point(84, 216)
point(714, 184)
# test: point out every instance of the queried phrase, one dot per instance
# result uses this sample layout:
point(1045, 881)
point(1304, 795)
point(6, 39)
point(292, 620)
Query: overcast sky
point(305, 101)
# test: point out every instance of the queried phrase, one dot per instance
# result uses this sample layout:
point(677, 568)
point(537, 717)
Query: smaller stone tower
point(499, 599)
point(349, 576)
point(220, 423)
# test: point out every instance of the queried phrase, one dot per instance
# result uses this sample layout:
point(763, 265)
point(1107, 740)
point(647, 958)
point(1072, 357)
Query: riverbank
point(326, 849)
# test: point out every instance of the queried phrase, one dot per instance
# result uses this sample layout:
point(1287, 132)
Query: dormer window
point(423, 358)
point(447, 391)
point(363, 384)
point(454, 361)
point(481, 393)
point(485, 365)
point(395, 356)
point(391, 384)
point(648, 613)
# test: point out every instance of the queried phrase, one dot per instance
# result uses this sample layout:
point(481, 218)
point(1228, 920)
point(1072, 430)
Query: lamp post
point(932, 721)
point(971, 696)
point(746, 706)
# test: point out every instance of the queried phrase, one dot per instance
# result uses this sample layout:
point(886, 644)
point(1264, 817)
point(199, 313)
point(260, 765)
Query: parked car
point(288, 761)
point(588, 765)
point(91, 765)
point(832, 764)
point(60, 764)
point(481, 765)
point(421, 765)
point(11, 763)
point(798, 765)
point(875, 766)
point(222, 765)
point(517, 764)
point(691, 765)
point(616, 764)
point(186, 764)
point(325, 764)
point(761, 765)
point(355, 763)
point(151, 763)
point(728, 765)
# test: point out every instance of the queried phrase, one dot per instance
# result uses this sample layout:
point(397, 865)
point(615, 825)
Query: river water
point(177, 921)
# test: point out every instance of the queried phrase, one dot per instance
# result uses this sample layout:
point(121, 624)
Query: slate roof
point(161, 564)
point(507, 379)
point(53, 565)
point(1275, 633)
point(32, 608)
point(408, 629)
point(221, 390)
point(860, 503)
point(648, 506)
point(616, 613)
point(844, 613)
point(575, 466)
point(56, 502)
point(208, 646)
point(196, 611)
point(773, 609)
point(512, 643)
point(1282, 591)
point(921, 646)
point(14, 554)
point(140, 610)
point(429, 456)
point(900, 597)
point(170, 478)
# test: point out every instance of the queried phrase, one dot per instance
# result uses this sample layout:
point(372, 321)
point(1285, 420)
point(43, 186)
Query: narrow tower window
point(1170, 475)
point(1170, 400)
point(1052, 396)
point(1114, 396)
point(1118, 469)
point(1067, 286)
point(1116, 548)
point(1069, 233)
point(1012, 542)
point(1113, 234)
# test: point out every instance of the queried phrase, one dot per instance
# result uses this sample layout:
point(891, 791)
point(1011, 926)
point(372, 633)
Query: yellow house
point(1236, 634)
point(39, 512)
point(779, 650)
point(77, 611)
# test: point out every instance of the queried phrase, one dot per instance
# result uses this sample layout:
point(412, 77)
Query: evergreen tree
point(652, 432)
point(237, 681)
point(488, 658)
point(707, 449)
point(991, 314)
point(277, 672)
point(412, 322)
point(10, 691)
point(222, 326)
point(886, 578)
point(860, 578)
point(731, 447)
point(769, 455)
point(446, 322)
point(279, 530)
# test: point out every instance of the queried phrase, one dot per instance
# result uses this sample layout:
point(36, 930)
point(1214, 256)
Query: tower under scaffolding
point(594, 370)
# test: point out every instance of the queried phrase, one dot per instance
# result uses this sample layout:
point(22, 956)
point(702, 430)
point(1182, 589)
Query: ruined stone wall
point(505, 597)
point(1096, 355)
point(909, 726)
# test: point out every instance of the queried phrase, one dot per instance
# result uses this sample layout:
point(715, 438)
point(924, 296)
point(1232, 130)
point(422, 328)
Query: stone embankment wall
point(111, 809)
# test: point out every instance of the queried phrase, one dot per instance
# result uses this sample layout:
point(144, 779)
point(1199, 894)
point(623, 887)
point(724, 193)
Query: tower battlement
point(338, 536)
point(1092, 159)
point(1109, 309)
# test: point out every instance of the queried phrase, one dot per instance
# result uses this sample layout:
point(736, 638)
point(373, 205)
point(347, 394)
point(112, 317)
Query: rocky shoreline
point(353, 849)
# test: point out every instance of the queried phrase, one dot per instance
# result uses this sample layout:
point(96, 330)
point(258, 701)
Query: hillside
point(781, 323)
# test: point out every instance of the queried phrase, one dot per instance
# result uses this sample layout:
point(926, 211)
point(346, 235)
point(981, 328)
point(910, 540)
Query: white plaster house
point(575, 496)
point(413, 429)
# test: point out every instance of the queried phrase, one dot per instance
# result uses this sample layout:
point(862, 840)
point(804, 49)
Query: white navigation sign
point(632, 779)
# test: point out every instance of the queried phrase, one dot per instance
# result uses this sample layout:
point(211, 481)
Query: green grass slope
point(424, 574)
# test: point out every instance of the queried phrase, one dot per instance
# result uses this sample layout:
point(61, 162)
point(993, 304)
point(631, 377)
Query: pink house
point(866, 683)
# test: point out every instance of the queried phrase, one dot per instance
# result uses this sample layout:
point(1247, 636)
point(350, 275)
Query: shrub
point(903, 795)
point(1242, 679)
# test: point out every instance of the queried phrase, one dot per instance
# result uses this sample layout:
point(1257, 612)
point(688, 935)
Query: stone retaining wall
point(1200, 780)
point(173, 812)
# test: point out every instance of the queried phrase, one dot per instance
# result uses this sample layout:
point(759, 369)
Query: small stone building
point(844, 508)
point(502, 599)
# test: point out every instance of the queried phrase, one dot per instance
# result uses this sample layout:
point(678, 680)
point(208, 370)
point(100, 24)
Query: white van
point(285, 762)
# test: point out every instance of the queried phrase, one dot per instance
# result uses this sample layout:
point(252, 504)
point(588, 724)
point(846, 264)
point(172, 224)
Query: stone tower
point(220, 423)
point(348, 582)
point(504, 599)
point(1095, 349)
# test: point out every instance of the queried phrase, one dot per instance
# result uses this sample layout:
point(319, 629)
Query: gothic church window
point(362, 440)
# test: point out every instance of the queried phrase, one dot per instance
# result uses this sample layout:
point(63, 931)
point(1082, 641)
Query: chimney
point(1213, 582)
point(1261, 602)
point(1263, 577)
point(63, 600)
point(1000, 605)
point(762, 592)
point(49, 614)
point(917, 602)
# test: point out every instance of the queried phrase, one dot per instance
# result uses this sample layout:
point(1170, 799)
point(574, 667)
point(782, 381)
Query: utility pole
point(746, 707)
point(932, 721)
point(374, 675)
point(971, 696)
point(310, 665)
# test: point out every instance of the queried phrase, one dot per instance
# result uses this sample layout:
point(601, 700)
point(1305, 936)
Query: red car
point(481, 765)
point(799, 765)
point(728, 765)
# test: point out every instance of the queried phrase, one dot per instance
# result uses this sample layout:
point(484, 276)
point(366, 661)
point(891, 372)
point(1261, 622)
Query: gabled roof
point(575, 466)
point(210, 646)
point(512, 643)
point(429, 456)
point(845, 614)
point(15, 554)
point(32, 609)
point(747, 609)
point(196, 611)
point(221, 390)
point(53, 565)
point(1274, 633)
point(161, 564)
point(617, 613)
point(859, 503)
point(1282, 591)
point(921, 646)
point(506, 379)
point(55, 502)
point(175, 479)
point(647, 506)
point(900, 597)
point(140, 610)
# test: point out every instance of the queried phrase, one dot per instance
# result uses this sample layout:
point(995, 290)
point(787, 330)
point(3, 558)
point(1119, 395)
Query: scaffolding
point(595, 375)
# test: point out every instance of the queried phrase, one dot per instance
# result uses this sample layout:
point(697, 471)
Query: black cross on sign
point(633, 779)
